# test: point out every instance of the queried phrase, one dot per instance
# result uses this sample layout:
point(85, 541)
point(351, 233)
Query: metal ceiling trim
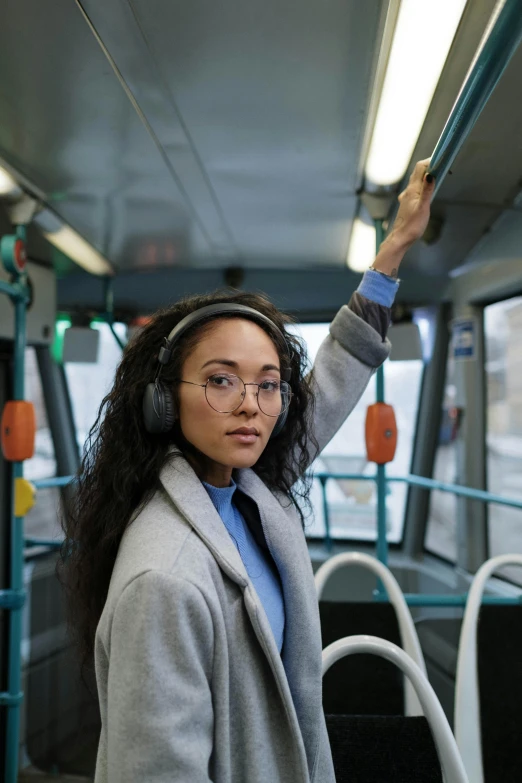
point(150, 130)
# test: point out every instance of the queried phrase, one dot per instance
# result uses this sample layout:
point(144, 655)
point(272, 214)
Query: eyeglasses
point(225, 393)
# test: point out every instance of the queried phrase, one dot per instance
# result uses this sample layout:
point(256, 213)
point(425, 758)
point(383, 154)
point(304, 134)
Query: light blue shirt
point(378, 287)
point(260, 569)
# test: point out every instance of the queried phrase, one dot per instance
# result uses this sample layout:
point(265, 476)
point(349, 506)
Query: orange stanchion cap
point(381, 433)
point(18, 430)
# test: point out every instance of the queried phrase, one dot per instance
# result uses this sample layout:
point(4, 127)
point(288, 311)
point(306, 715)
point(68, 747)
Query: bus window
point(441, 537)
point(352, 505)
point(42, 521)
point(503, 326)
point(89, 383)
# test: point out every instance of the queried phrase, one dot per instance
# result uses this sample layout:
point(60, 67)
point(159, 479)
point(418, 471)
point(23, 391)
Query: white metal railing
point(409, 639)
point(467, 697)
point(450, 761)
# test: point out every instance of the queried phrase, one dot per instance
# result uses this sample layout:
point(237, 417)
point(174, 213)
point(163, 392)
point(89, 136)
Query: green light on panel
point(63, 322)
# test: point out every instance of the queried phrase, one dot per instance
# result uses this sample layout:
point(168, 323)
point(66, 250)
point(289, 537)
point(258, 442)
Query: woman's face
point(233, 346)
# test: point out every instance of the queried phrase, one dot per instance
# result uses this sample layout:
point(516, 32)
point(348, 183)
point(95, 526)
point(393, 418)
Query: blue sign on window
point(464, 338)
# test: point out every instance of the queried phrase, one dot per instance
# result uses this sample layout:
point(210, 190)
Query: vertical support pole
point(326, 515)
point(427, 435)
point(14, 669)
point(109, 310)
point(382, 541)
point(472, 515)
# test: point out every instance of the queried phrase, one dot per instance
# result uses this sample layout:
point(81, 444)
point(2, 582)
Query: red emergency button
point(19, 255)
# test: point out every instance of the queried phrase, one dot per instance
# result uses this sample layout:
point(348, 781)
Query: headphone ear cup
point(280, 423)
point(169, 415)
point(158, 409)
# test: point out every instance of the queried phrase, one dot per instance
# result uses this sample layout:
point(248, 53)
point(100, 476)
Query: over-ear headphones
point(159, 408)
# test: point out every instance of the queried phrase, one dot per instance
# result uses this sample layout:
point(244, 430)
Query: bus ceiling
point(236, 138)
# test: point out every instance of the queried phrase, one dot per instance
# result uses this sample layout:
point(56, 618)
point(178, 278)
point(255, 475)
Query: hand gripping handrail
point(467, 699)
point(409, 638)
point(451, 763)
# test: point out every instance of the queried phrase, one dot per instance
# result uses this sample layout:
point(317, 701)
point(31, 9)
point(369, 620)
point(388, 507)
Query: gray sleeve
point(159, 701)
point(345, 362)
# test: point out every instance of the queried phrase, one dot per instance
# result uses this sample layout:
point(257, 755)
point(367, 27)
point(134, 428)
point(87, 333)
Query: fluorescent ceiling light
point(8, 186)
point(361, 253)
point(72, 244)
point(75, 246)
point(423, 36)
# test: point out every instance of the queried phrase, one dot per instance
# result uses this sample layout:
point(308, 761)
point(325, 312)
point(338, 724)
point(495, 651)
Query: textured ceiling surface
point(232, 135)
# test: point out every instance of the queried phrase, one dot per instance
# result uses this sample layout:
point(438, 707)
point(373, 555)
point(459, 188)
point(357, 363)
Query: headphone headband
point(225, 308)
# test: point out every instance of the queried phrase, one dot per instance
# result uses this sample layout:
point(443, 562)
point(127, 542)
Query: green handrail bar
point(54, 481)
point(17, 291)
point(498, 47)
point(435, 600)
point(427, 483)
point(13, 599)
point(50, 543)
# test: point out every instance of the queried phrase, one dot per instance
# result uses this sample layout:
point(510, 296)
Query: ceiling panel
point(68, 127)
point(275, 95)
point(221, 133)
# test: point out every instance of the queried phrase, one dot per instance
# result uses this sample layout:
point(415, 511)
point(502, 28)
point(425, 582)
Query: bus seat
point(369, 687)
point(488, 689)
point(392, 749)
point(365, 748)
point(363, 684)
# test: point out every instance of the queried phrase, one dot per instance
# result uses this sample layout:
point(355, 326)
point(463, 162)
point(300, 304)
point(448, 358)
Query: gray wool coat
point(191, 684)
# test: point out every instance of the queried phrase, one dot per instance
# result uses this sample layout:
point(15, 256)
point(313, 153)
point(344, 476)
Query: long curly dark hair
point(122, 462)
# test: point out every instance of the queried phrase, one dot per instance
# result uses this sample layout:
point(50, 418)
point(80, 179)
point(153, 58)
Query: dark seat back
point(361, 684)
point(382, 749)
point(499, 649)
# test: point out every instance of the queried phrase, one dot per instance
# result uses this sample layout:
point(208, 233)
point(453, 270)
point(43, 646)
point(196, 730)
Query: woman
point(188, 572)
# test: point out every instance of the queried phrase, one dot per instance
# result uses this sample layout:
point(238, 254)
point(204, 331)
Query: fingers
point(419, 171)
point(420, 181)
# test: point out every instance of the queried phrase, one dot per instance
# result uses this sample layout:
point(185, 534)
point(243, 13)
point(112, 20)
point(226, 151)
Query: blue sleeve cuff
point(378, 288)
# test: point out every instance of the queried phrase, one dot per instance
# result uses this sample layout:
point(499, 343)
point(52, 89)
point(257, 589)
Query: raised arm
point(357, 343)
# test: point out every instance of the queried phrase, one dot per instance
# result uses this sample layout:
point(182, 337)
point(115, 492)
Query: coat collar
point(191, 498)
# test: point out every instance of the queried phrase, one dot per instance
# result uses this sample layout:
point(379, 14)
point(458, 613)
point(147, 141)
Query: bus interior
point(150, 150)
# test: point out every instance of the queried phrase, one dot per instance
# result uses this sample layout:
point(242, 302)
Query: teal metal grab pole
point(382, 540)
point(442, 600)
point(13, 698)
point(498, 46)
point(54, 481)
point(11, 289)
point(456, 489)
point(50, 543)
point(427, 483)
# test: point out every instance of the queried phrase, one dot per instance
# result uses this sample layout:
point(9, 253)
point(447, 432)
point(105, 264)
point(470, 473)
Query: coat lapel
point(302, 644)
point(192, 500)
